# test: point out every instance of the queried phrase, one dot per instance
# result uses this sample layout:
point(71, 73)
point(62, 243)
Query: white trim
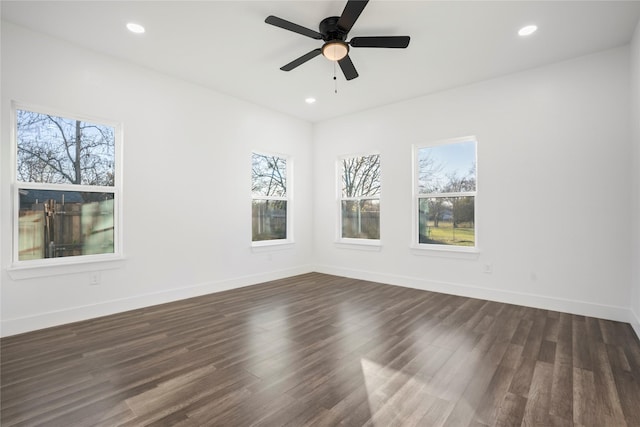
point(62, 113)
point(360, 244)
point(446, 141)
point(289, 238)
point(66, 265)
point(19, 269)
point(416, 195)
point(59, 317)
point(634, 321)
point(339, 172)
point(444, 251)
point(264, 245)
point(358, 154)
point(280, 198)
point(602, 311)
point(445, 195)
point(357, 199)
point(44, 320)
point(66, 187)
point(271, 154)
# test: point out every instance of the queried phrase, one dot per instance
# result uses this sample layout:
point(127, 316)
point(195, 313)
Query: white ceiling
point(226, 46)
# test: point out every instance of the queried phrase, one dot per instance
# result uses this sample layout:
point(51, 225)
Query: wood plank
point(321, 350)
point(561, 405)
point(536, 411)
point(511, 410)
point(608, 406)
point(584, 395)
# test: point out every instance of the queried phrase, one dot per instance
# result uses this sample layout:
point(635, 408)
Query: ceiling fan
point(334, 30)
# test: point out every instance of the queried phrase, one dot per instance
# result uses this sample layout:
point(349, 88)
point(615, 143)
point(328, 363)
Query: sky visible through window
point(442, 168)
point(453, 158)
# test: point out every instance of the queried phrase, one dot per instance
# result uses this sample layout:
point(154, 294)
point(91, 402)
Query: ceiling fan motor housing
point(330, 30)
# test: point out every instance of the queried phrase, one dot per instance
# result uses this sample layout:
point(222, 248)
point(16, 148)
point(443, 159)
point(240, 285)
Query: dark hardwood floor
point(323, 350)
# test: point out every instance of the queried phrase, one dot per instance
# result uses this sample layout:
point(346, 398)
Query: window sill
point(360, 244)
point(271, 245)
point(459, 252)
point(45, 268)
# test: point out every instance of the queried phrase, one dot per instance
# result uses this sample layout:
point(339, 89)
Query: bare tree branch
point(361, 176)
point(268, 175)
point(56, 149)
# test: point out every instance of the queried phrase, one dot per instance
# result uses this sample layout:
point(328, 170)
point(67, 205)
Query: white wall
point(635, 129)
point(553, 205)
point(186, 183)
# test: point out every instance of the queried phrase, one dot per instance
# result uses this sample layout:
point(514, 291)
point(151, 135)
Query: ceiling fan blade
point(348, 69)
point(279, 22)
point(304, 58)
point(350, 14)
point(399, 42)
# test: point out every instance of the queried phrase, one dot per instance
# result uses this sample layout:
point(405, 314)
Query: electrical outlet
point(95, 279)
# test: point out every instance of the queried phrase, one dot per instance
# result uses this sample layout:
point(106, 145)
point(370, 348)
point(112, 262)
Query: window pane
point(54, 149)
point(269, 220)
point(361, 176)
point(55, 224)
point(268, 175)
point(361, 219)
point(449, 168)
point(447, 221)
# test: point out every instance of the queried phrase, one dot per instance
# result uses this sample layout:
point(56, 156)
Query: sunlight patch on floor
point(394, 395)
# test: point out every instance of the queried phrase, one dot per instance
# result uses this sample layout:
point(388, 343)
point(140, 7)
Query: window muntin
point(67, 190)
point(360, 197)
point(446, 186)
point(270, 202)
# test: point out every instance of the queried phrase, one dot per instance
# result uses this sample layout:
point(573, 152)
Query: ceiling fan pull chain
point(335, 79)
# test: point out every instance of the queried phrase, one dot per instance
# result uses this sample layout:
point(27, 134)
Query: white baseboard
point(635, 322)
point(74, 314)
point(620, 314)
point(55, 318)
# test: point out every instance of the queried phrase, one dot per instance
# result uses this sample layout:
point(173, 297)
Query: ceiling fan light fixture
point(335, 50)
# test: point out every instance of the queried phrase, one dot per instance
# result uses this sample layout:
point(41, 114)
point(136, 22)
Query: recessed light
point(135, 28)
point(310, 100)
point(528, 30)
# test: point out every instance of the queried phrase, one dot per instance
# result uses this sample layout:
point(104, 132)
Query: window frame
point(288, 198)
point(49, 266)
point(349, 241)
point(416, 196)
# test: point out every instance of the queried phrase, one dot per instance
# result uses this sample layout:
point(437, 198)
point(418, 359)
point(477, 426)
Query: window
point(360, 197)
point(67, 187)
point(445, 189)
point(270, 203)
